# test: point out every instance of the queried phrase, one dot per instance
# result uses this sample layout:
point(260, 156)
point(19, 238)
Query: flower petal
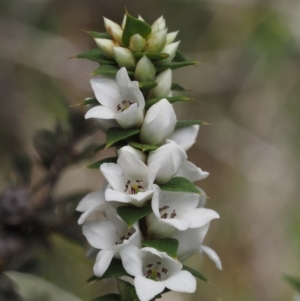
point(103, 261)
point(191, 172)
point(100, 112)
point(185, 137)
point(147, 289)
point(131, 117)
point(91, 200)
point(212, 255)
point(132, 261)
point(199, 217)
point(87, 213)
point(106, 91)
point(183, 281)
point(114, 175)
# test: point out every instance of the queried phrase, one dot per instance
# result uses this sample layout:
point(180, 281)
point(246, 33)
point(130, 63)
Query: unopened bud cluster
point(150, 216)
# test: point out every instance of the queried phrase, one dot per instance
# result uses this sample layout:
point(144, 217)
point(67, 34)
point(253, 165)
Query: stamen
point(164, 270)
point(158, 276)
point(149, 265)
point(158, 262)
point(149, 272)
point(173, 214)
point(164, 216)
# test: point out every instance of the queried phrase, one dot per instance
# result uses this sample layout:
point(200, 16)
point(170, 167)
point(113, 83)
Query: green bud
point(106, 46)
point(124, 57)
point(156, 41)
point(164, 83)
point(137, 43)
point(114, 30)
point(123, 22)
point(145, 70)
point(170, 49)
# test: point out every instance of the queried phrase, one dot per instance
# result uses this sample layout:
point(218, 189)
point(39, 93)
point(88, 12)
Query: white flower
point(94, 201)
point(164, 83)
point(212, 255)
point(154, 271)
point(130, 180)
point(120, 99)
point(139, 154)
point(109, 235)
point(170, 158)
point(176, 210)
point(185, 137)
point(159, 123)
point(191, 172)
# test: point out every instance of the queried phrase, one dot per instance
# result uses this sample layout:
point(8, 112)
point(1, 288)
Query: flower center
point(124, 105)
point(125, 237)
point(155, 271)
point(165, 213)
point(134, 187)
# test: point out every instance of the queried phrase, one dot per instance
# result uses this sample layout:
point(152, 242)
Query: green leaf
point(132, 292)
point(127, 291)
point(88, 101)
point(132, 214)
point(108, 70)
point(177, 87)
point(168, 245)
point(96, 55)
point(184, 123)
point(97, 164)
point(152, 56)
point(109, 297)
point(293, 281)
point(179, 57)
point(143, 147)
point(91, 149)
point(99, 35)
point(195, 273)
point(171, 99)
point(176, 65)
point(115, 269)
point(180, 184)
point(134, 26)
point(145, 86)
point(115, 135)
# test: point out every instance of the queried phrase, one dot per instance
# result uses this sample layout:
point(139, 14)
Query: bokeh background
point(247, 87)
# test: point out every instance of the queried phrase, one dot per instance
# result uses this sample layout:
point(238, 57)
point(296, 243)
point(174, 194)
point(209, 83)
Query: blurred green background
point(247, 87)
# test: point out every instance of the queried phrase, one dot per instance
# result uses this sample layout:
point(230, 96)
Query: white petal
point(114, 175)
point(199, 217)
point(185, 137)
point(131, 117)
point(139, 154)
point(191, 172)
point(100, 112)
point(100, 234)
point(106, 91)
point(131, 260)
point(147, 289)
point(103, 261)
point(87, 213)
point(212, 255)
point(90, 201)
point(130, 89)
point(183, 281)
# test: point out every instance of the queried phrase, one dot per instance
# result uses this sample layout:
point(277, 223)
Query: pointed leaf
point(168, 245)
point(195, 273)
point(115, 135)
point(176, 65)
point(180, 184)
point(177, 87)
point(99, 35)
point(86, 102)
point(132, 214)
point(115, 269)
point(134, 26)
point(145, 86)
point(184, 123)
point(143, 147)
point(97, 164)
point(90, 150)
point(108, 70)
point(171, 99)
point(293, 281)
point(179, 57)
point(109, 297)
point(96, 55)
point(123, 289)
point(152, 56)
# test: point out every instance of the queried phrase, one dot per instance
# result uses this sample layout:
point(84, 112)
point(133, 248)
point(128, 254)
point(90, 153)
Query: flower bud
point(172, 36)
point(164, 83)
point(124, 22)
point(137, 43)
point(114, 30)
point(141, 18)
point(159, 123)
point(129, 149)
point(170, 49)
point(124, 57)
point(145, 70)
point(106, 46)
point(156, 41)
point(159, 24)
